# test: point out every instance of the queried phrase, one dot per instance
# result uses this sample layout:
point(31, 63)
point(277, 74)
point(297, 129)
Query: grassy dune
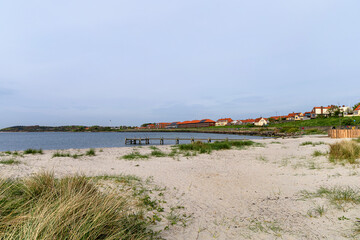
point(43, 207)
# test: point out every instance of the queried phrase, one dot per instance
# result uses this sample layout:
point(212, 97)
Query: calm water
point(66, 140)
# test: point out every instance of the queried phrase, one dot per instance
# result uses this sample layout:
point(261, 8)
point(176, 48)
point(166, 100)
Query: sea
point(18, 141)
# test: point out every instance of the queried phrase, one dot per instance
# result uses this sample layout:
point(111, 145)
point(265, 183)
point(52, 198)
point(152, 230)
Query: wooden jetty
point(177, 140)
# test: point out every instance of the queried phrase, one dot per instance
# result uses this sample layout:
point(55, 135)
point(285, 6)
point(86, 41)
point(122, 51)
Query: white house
point(261, 121)
point(357, 111)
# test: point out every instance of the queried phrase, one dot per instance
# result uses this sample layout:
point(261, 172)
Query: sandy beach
point(252, 193)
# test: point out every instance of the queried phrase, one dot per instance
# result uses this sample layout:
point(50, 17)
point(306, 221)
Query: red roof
point(225, 120)
point(248, 121)
point(258, 119)
point(358, 108)
point(292, 114)
point(197, 121)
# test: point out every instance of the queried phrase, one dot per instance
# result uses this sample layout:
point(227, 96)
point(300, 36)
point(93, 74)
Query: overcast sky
point(114, 62)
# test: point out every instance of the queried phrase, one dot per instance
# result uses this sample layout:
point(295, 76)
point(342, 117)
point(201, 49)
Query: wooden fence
point(344, 133)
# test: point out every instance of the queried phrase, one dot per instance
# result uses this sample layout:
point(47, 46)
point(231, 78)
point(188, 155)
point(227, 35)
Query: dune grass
point(90, 152)
point(311, 143)
point(43, 207)
point(33, 151)
point(344, 151)
point(318, 153)
point(135, 155)
point(336, 195)
point(11, 161)
point(201, 147)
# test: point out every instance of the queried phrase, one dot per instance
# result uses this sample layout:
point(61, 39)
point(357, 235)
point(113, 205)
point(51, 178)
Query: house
point(162, 125)
point(223, 122)
point(294, 116)
point(196, 123)
point(345, 110)
point(150, 126)
point(172, 125)
point(320, 111)
point(261, 121)
point(248, 121)
point(236, 122)
point(307, 114)
point(357, 111)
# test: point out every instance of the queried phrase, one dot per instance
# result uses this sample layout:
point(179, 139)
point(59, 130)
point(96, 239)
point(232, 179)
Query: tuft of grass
point(357, 140)
point(201, 147)
point(262, 158)
point(43, 207)
point(318, 211)
point(33, 151)
point(311, 143)
point(157, 153)
point(135, 155)
point(62, 154)
point(11, 161)
point(344, 151)
point(336, 195)
point(90, 152)
point(269, 227)
point(318, 153)
point(275, 142)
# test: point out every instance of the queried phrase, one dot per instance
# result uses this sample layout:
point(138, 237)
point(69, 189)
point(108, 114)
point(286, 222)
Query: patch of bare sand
point(232, 194)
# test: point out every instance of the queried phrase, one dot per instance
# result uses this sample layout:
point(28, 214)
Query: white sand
point(231, 194)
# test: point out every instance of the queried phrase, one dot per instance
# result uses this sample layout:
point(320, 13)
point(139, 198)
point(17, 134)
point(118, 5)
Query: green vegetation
point(317, 211)
point(314, 131)
point(90, 152)
point(269, 227)
point(135, 155)
point(43, 207)
point(201, 147)
point(319, 122)
point(9, 161)
point(62, 154)
point(348, 151)
point(336, 195)
point(33, 151)
point(311, 143)
point(158, 153)
point(318, 154)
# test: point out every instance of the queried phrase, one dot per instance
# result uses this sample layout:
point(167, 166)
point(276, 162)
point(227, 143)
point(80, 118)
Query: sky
point(115, 62)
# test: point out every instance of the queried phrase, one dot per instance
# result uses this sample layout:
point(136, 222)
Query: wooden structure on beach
point(344, 133)
point(177, 140)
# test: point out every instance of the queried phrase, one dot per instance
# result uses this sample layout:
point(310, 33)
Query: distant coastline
point(261, 131)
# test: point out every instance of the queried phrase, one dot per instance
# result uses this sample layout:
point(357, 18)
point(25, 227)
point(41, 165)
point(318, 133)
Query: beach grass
point(43, 207)
point(90, 152)
point(202, 147)
point(311, 143)
point(344, 151)
point(11, 161)
point(337, 195)
point(33, 151)
point(135, 155)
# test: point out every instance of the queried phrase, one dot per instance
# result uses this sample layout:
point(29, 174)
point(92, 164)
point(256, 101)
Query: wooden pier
point(177, 140)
